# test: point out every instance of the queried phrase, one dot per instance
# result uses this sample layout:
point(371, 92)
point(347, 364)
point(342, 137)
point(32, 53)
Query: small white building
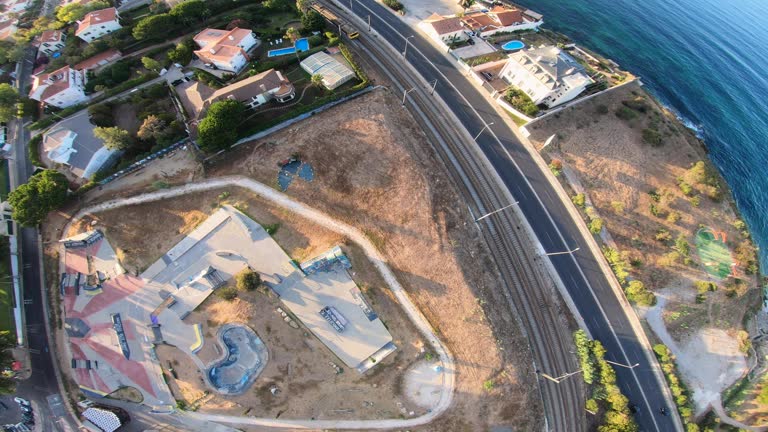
point(225, 49)
point(97, 24)
point(444, 30)
point(52, 41)
point(61, 88)
point(547, 75)
point(334, 73)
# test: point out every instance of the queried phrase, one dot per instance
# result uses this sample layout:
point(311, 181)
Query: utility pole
point(434, 84)
point(496, 211)
point(369, 23)
point(562, 253)
point(558, 380)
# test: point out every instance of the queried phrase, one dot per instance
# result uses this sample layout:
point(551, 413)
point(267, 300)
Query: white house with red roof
point(501, 19)
point(444, 30)
point(52, 41)
point(97, 24)
point(225, 49)
point(61, 88)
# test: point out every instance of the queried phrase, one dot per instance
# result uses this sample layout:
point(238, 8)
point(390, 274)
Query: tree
point(292, 34)
point(218, 130)
point(32, 201)
point(151, 64)
point(317, 80)
point(153, 128)
point(114, 138)
point(277, 5)
point(303, 5)
point(101, 115)
point(9, 97)
point(74, 11)
point(596, 225)
point(154, 27)
point(682, 246)
point(190, 11)
point(248, 280)
point(312, 21)
point(182, 54)
point(466, 4)
point(237, 23)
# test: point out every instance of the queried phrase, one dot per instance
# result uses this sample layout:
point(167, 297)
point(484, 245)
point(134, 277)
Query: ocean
point(706, 60)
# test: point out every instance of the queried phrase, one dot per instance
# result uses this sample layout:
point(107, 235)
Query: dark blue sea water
point(707, 60)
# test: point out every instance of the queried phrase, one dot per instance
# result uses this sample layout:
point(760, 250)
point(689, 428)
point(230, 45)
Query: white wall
point(96, 31)
point(512, 28)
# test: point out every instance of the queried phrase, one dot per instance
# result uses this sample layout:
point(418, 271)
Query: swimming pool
point(300, 45)
point(513, 45)
point(243, 360)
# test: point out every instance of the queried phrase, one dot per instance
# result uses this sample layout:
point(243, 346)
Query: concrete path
point(376, 258)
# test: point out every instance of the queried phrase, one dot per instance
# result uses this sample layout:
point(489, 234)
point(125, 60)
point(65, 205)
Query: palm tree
point(317, 80)
point(292, 34)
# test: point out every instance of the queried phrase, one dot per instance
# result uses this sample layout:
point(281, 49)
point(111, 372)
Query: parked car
point(21, 401)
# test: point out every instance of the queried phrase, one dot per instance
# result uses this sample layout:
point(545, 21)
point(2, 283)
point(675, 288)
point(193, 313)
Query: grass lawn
point(518, 121)
point(5, 186)
point(6, 288)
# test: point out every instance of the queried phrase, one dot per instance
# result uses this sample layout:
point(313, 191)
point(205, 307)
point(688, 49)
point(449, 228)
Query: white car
point(21, 401)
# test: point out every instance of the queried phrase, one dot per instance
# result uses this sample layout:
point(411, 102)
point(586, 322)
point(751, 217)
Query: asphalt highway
point(547, 215)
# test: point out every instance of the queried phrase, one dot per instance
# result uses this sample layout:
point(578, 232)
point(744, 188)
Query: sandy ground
point(710, 360)
point(618, 170)
point(423, 383)
point(374, 170)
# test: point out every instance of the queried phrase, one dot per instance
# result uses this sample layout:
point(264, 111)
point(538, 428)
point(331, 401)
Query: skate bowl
point(244, 357)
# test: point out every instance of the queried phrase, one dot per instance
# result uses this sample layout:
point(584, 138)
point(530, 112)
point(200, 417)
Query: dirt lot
point(298, 363)
point(619, 171)
point(374, 170)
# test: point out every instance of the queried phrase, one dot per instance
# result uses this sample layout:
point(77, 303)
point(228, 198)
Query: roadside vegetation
point(680, 392)
point(43, 192)
point(521, 102)
point(605, 399)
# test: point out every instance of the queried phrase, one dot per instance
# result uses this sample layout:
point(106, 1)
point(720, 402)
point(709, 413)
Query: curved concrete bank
point(376, 258)
point(243, 358)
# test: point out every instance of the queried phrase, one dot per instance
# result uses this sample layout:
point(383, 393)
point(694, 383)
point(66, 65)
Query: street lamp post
point(434, 84)
point(405, 51)
point(487, 125)
point(623, 365)
point(496, 211)
point(405, 93)
point(562, 253)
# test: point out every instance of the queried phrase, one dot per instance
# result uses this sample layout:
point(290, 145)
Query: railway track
point(527, 289)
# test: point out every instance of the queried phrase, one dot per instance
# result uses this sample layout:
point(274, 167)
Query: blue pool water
point(706, 60)
point(300, 45)
point(513, 45)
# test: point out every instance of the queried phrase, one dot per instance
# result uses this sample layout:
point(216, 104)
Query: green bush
point(227, 293)
point(584, 353)
point(625, 113)
point(579, 200)
point(355, 67)
point(663, 235)
point(685, 188)
point(637, 293)
point(394, 5)
point(34, 150)
point(601, 109)
point(652, 137)
point(682, 246)
point(596, 225)
point(248, 280)
point(521, 102)
point(676, 386)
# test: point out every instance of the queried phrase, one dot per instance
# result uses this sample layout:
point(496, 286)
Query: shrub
point(34, 150)
point(637, 293)
point(394, 5)
point(601, 109)
point(227, 293)
point(682, 246)
point(618, 206)
point(488, 385)
point(579, 200)
point(248, 280)
point(652, 137)
point(584, 353)
point(618, 264)
point(521, 102)
point(625, 113)
point(703, 287)
point(556, 166)
point(637, 104)
point(663, 235)
point(673, 217)
point(695, 201)
point(101, 115)
point(592, 405)
point(595, 226)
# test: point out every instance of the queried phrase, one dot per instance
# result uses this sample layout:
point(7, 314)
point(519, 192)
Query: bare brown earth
point(618, 169)
point(375, 170)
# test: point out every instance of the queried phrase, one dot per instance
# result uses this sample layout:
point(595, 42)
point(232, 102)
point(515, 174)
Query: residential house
point(547, 75)
point(225, 49)
point(334, 73)
point(52, 41)
point(61, 88)
point(99, 60)
point(501, 19)
point(97, 24)
point(444, 30)
point(72, 143)
point(14, 6)
point(253, 92)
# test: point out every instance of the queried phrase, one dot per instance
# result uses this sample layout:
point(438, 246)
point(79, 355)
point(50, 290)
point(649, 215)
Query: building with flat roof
point(225, 49)
point(548, 75)
point(334, 73)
